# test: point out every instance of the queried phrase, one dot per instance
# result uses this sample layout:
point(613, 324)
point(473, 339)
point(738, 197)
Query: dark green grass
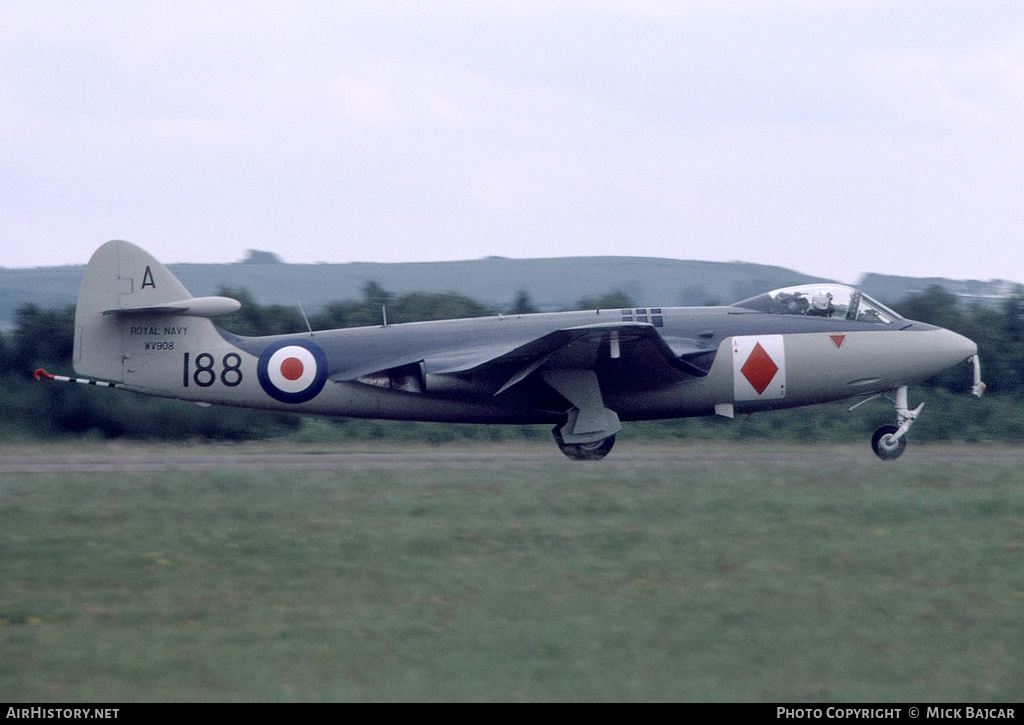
point(785, 582)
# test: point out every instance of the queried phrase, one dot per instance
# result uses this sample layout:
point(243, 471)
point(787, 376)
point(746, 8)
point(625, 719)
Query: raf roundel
point(292, 371)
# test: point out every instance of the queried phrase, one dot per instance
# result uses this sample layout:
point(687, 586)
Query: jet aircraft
point(138, 328)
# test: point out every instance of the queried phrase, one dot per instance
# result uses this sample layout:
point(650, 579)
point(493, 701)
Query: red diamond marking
point(838, 340)
point(759, 369)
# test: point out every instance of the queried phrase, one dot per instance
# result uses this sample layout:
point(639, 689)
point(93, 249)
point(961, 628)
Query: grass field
point(781, 582)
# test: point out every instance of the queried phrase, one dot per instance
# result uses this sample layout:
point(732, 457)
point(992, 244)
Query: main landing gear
point(589, 429)
point(584, 451)
point(890, 441)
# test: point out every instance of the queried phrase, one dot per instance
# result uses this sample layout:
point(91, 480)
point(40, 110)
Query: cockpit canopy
point(822, 300)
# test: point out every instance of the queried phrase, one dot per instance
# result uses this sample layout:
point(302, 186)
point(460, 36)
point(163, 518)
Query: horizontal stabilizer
point(191, 307)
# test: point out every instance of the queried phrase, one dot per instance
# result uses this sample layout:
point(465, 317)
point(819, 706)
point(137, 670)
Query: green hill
point(552, 284)
point(494, 281)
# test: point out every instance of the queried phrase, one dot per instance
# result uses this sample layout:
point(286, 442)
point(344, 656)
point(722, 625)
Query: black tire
point(584, 451)
point(884, 446)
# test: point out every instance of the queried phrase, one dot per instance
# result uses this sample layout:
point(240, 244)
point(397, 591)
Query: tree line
point(44, 338)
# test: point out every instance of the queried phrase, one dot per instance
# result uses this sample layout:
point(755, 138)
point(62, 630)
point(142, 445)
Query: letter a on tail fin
point(126, 288)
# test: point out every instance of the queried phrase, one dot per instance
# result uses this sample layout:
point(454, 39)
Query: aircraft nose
point(952, 347)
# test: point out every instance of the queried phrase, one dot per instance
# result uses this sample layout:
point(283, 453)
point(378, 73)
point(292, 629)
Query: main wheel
point(584, 451)
point(886, 445)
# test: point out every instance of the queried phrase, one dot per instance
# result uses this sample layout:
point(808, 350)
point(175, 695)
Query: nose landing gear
point(890, 441)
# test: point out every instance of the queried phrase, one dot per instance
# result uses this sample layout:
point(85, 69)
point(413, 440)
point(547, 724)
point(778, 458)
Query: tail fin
point(124, 283)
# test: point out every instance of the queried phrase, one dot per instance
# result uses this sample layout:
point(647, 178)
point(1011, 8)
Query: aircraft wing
point(573, 347)
point(636, 344)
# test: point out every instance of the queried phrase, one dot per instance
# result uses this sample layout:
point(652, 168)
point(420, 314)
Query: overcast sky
point(831, 137)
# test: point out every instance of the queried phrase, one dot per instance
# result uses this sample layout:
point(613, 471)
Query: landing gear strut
point(584, 451)
point(890, 441)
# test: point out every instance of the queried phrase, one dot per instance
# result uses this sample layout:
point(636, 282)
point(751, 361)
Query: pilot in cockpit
point(821, 304)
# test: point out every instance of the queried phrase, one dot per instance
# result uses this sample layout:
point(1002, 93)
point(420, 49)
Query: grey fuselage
point(458, 370)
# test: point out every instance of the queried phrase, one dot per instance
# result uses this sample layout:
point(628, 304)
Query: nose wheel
point(886, 444)
point(890, 441)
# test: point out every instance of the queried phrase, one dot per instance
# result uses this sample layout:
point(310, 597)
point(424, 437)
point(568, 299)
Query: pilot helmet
point(821, 299)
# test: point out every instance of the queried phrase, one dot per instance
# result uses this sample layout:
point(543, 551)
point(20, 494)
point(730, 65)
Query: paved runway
point(77, 462)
